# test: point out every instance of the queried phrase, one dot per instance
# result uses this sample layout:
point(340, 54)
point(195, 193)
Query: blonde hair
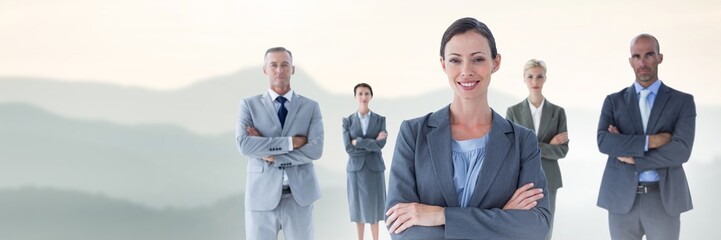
point(535, 63)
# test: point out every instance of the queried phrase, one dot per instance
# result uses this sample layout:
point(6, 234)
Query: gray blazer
point(553, 122)
point(367, 150)
point(673, 112)
point(422, 171)
point(264, 180)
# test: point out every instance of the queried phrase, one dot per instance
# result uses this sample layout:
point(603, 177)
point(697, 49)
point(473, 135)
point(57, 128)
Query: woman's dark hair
point(464, 25)
point(365, 85)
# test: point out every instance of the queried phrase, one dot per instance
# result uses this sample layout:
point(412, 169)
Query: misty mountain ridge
point(32, 213)
point(209, 106)
point(158, 165)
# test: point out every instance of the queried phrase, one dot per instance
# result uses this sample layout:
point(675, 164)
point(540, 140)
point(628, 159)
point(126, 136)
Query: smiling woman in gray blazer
point(548, 121)
point(465, 172)
point(364, 135)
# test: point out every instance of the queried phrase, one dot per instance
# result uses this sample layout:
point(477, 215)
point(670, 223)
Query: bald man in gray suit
point(282, 134)
point(647, 130)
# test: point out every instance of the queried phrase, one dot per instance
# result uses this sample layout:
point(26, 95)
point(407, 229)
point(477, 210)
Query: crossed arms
point(306, 148)
point(520, 218)
point(669, 148)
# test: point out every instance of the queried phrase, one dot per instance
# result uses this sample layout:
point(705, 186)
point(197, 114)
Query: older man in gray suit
point(282, 134)
point(647, 131)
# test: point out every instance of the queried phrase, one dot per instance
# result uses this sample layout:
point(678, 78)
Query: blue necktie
point(282, 112)
point(645, 107)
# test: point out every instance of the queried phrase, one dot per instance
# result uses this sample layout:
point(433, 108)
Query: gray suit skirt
point(366, 195)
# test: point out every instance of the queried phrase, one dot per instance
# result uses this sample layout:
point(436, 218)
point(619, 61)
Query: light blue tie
point(645, 107)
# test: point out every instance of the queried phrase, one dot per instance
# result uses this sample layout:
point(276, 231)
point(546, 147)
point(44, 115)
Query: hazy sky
point(168, 44)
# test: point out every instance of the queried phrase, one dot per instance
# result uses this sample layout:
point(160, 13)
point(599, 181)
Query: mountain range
point(104, 156)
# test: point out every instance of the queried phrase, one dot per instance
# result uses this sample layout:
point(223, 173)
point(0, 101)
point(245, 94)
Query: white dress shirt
point(288, 96)
point(364, 119)
point(536, 114)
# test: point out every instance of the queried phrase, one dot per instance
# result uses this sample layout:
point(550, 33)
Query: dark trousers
point(648, 217)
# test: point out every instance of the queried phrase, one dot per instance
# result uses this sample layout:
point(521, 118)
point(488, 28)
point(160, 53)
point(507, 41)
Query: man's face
point(644, 60)
point(278, 66)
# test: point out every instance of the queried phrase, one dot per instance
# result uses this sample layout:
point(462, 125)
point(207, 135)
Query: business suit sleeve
point(496, 223)
point(402, 184)
point(349, 148)
point(617, 145)
point(556, 151)
point(678, 150)
point(371, 144)
point(312, 150)
point(256, 146)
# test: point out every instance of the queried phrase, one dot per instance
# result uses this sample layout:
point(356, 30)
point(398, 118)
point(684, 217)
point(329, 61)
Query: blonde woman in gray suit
point(364, 135)
point(548, 121)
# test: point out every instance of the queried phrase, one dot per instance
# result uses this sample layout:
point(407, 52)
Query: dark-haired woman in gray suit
point(548, 121)
point(465, 172)
point(364, 135)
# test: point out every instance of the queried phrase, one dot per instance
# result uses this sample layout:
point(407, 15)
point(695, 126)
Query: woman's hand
point(560, 138)
point(524, 198)
point(382, 135)
point(405, 215)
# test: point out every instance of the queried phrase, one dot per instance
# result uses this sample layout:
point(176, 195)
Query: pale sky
point(169, 44)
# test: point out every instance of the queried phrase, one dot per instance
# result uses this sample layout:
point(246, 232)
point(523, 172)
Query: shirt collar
point(366, 116)
point(534, 108)
point(273, 95)
point(654, 87)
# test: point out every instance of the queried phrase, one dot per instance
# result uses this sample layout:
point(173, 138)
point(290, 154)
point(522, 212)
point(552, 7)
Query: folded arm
point(408, 219)
point(312, 150)
point(350, 148)
point(402, 186)
point(256, 146)
point(678, 150)
point(374, 144)
point(557, 148)
point(497, 223)
point(617, 145)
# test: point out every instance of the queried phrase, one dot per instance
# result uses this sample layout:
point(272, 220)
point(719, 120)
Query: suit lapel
point(372, 125)
point(270, 108)
point(546, 117)
point(496, 152)
point(633, 111)
point(526, 117)
point(439, 144)
point(357, 125)
point(659, 104)
point(292, 111)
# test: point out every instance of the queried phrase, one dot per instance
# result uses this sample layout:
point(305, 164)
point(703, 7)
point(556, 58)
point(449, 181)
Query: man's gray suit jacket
point(672, 112)
point(264, 179)
point(553, 122)
point(422, 171)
